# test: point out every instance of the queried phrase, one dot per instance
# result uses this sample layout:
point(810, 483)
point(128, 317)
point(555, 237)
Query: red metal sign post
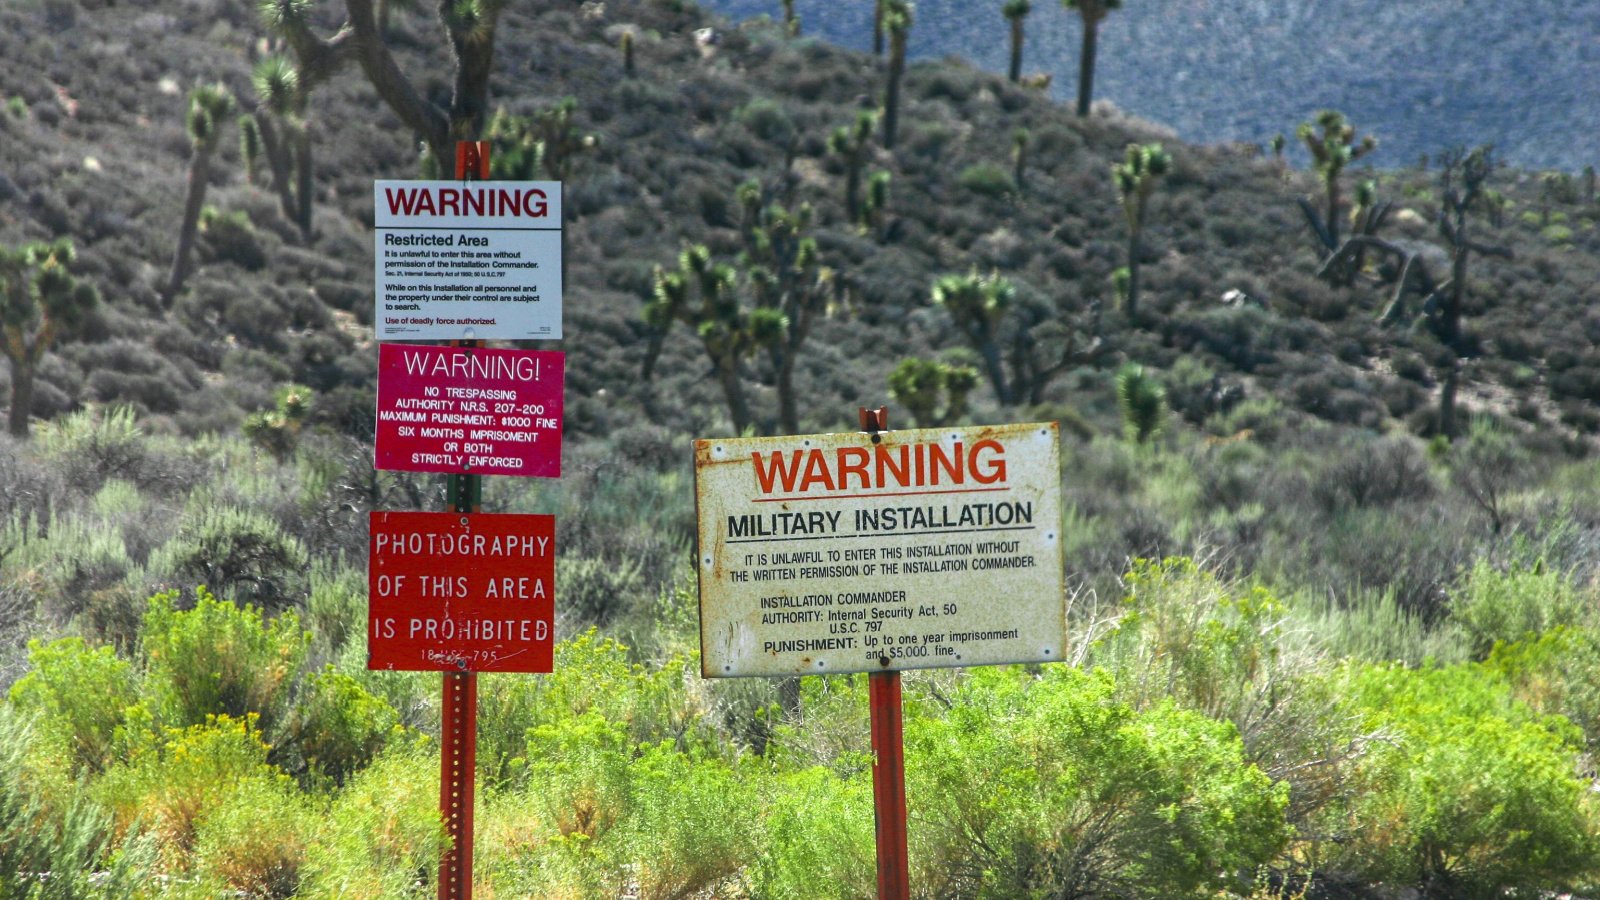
point(458, 737)
point(888, 750)
point(889, 785)
point(458, 716)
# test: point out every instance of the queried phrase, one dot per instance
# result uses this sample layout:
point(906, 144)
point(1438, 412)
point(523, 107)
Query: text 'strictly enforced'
point(452, 592)
point(468, 260)
point(469, 410)
point(833, 553)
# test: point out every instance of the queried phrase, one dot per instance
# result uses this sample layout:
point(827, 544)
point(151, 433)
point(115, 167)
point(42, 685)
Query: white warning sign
point(467, 260)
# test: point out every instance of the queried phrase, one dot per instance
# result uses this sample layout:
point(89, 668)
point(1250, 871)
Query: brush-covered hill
point(1234, 323)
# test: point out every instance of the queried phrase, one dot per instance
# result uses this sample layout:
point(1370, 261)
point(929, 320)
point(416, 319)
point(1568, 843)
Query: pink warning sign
point(469, 410)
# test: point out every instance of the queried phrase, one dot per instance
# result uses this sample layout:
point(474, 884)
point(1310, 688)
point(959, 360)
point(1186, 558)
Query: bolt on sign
point(469, 410)
point(451, 592)
point(837, 553)
point(467, 260)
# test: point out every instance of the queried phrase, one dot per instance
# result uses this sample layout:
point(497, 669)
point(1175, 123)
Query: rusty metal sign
point(857, 552)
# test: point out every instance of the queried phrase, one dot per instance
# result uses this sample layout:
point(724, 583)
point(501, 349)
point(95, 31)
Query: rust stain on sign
point(905, 549)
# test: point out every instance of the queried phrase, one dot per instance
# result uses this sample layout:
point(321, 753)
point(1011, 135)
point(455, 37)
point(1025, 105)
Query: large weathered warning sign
point(467, 260)
point(452, 592)
point(845, 553)
point(469, 410)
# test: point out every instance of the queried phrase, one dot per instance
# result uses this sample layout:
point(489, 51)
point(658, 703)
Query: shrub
point(1556, 673)
point(767, 120)
point(48, 849)
point(219, 659)
point(255, 841)
point(818, 838)
point(1474, 796)
point(1044, 785)
point(169, 784)
point(79, 695)
point(381, 836)
point(93, 445)
point(1496, 606)
point(986, 179)
point(230, 237)
point(1373, 626)
point(335, 729)
point(1374, 474)
point(594, 591)
point(590, 674)
point(237, 552)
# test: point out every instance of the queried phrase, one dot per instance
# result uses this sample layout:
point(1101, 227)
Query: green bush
point(1188, 637)
point(381, 836)
point(986, 179)
point(80, 695)
point(230, 237)
point(817, 835)
point(51, 846)
point(334, 730)
point(170, 783)
point(93, 445)
point(256, 840)
point(591, 675)
point(767, 120)
point(1494, 606)
point(1557, 673)
point(1045, 785)
point(219, 659)
point(1468, 793)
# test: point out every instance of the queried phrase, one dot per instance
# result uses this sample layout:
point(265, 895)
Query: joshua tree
point(285, 142)
point(784, 276)
point(704, 295)
point(469, 27)
point(250, 150)
point(209, 106)
point(852, 145)
point(923, 386)
point(627, 53)
point(791, 22)
point(39, 302)
point(897, 20)
point(978, 304)
point(1016, 11)
point(1143, 402)
point(285, 88)
point(1462, 179)
point(547, 144)
point(1028, 336)
point(1332, 142)
point(879, 9)
point(875, 209)
point(1092, 12)
point(1136, 177)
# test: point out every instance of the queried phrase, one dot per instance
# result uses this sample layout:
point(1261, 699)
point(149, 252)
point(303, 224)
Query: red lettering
point(449, 202)
point(401, 200)
point(886, 465)
point(816, 471)
point(938, 460)
point(537, 210)
point(995, 469)
point(858, 466)
point(781, 473)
